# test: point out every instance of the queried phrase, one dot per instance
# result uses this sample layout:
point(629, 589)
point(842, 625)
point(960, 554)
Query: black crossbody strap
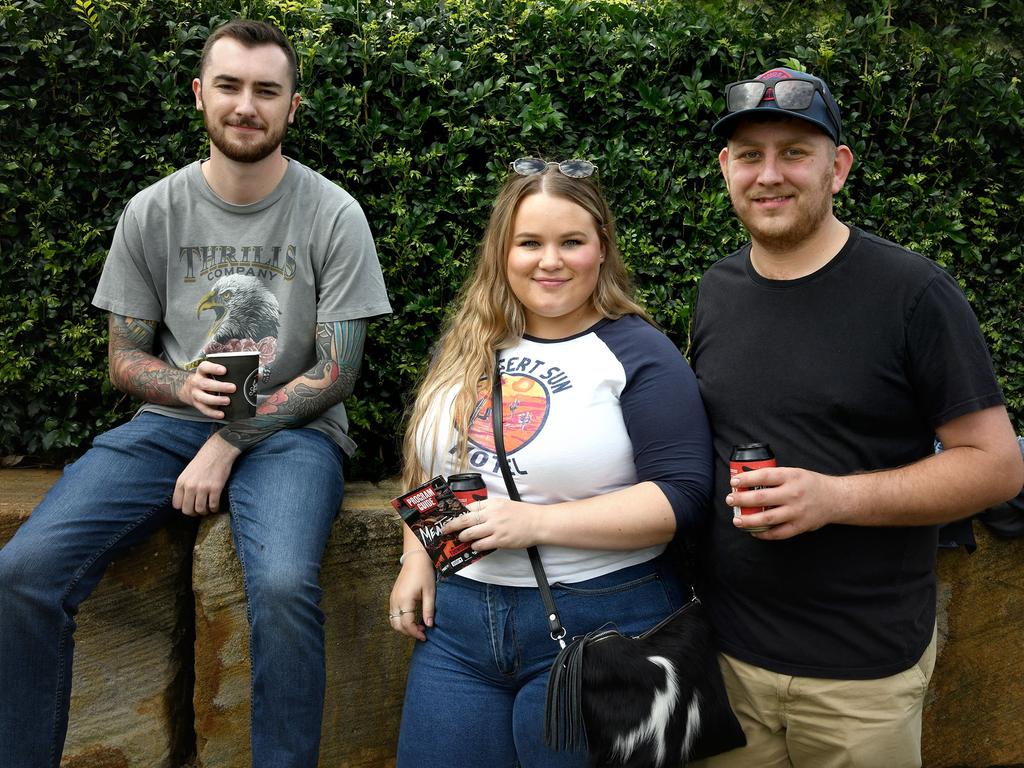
point(554, 622)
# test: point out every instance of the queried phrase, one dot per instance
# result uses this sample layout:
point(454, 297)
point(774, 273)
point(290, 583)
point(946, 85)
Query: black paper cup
point(243, 372)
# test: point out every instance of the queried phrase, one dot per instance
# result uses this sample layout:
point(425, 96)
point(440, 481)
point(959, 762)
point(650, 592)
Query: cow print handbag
point(653, 700)
point(649, 701)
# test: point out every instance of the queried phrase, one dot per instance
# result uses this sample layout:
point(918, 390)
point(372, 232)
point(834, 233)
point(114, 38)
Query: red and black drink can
point(468, 487)
point(745, 458)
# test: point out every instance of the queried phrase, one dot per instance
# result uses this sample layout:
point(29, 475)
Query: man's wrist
point(227, 447)
point(845, 507)
point(184, 390)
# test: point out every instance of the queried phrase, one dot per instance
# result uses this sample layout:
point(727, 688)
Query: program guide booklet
point(425, 510)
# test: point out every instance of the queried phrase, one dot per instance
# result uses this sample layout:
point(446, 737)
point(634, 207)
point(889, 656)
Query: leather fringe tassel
point(564, 728)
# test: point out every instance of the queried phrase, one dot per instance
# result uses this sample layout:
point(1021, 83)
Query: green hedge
point(417, 107)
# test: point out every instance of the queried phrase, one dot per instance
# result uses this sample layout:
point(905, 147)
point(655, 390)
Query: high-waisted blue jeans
point(284, 494)
point(476, 688)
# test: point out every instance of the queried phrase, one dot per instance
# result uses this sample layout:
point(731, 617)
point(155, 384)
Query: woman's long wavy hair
point(488, 316)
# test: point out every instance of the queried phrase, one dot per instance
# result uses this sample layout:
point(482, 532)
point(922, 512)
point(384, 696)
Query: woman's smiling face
point(553, 264)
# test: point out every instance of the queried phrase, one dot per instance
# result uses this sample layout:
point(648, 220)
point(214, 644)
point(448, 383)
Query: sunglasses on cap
point(574, 169)
point(791, 94)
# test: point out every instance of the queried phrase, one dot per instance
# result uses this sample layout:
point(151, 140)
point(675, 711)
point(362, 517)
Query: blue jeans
point(476, 688)
point(283, 496)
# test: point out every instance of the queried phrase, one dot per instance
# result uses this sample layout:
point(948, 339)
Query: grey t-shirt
point(219, 277)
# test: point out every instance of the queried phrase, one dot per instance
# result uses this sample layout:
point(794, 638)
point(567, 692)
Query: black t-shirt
point(846, 370)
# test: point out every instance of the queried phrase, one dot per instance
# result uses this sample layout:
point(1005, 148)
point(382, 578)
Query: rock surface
point(974, 709)
point(366, 661)
point(132, 672)
point(133, 659)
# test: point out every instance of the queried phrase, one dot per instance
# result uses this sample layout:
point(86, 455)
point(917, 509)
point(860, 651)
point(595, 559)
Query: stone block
point(132, 671)
point(974, 710)
point(132, 676)
point(366, 661)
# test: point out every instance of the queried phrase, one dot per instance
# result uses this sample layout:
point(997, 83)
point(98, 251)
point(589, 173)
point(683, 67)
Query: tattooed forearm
point(329, 381)
point(134, 369)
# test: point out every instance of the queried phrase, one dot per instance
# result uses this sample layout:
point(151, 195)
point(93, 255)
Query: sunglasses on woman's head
point(574, 169)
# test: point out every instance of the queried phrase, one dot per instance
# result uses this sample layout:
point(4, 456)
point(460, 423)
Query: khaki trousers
point(806, 722)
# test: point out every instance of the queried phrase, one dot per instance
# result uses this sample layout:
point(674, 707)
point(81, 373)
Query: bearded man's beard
point(245, 151)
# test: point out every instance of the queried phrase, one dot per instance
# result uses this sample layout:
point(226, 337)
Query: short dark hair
point(252, 33)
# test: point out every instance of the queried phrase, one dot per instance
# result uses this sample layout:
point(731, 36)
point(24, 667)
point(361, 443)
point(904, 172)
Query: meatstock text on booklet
point(426, 509)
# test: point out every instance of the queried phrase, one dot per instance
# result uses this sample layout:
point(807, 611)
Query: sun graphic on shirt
point(525, 404)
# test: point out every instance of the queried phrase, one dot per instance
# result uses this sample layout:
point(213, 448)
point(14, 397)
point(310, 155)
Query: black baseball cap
point(822, 110)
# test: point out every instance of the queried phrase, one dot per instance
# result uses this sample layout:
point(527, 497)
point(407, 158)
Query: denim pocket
point(589, 588)
point(630, 601)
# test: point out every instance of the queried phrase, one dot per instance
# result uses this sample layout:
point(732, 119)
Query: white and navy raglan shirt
point(583, 416)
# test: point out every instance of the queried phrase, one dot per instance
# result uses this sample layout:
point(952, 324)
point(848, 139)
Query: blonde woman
point(609, 444)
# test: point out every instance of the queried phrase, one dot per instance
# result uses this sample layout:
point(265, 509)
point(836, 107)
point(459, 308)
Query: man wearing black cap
point(848, 354)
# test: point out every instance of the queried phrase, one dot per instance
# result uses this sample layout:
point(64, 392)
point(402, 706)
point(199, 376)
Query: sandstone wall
point(366, 661)
point(131, 701)
point(974, 710)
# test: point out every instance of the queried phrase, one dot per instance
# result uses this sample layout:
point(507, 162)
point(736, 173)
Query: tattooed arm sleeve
point(339, 348)
point(134, 369)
